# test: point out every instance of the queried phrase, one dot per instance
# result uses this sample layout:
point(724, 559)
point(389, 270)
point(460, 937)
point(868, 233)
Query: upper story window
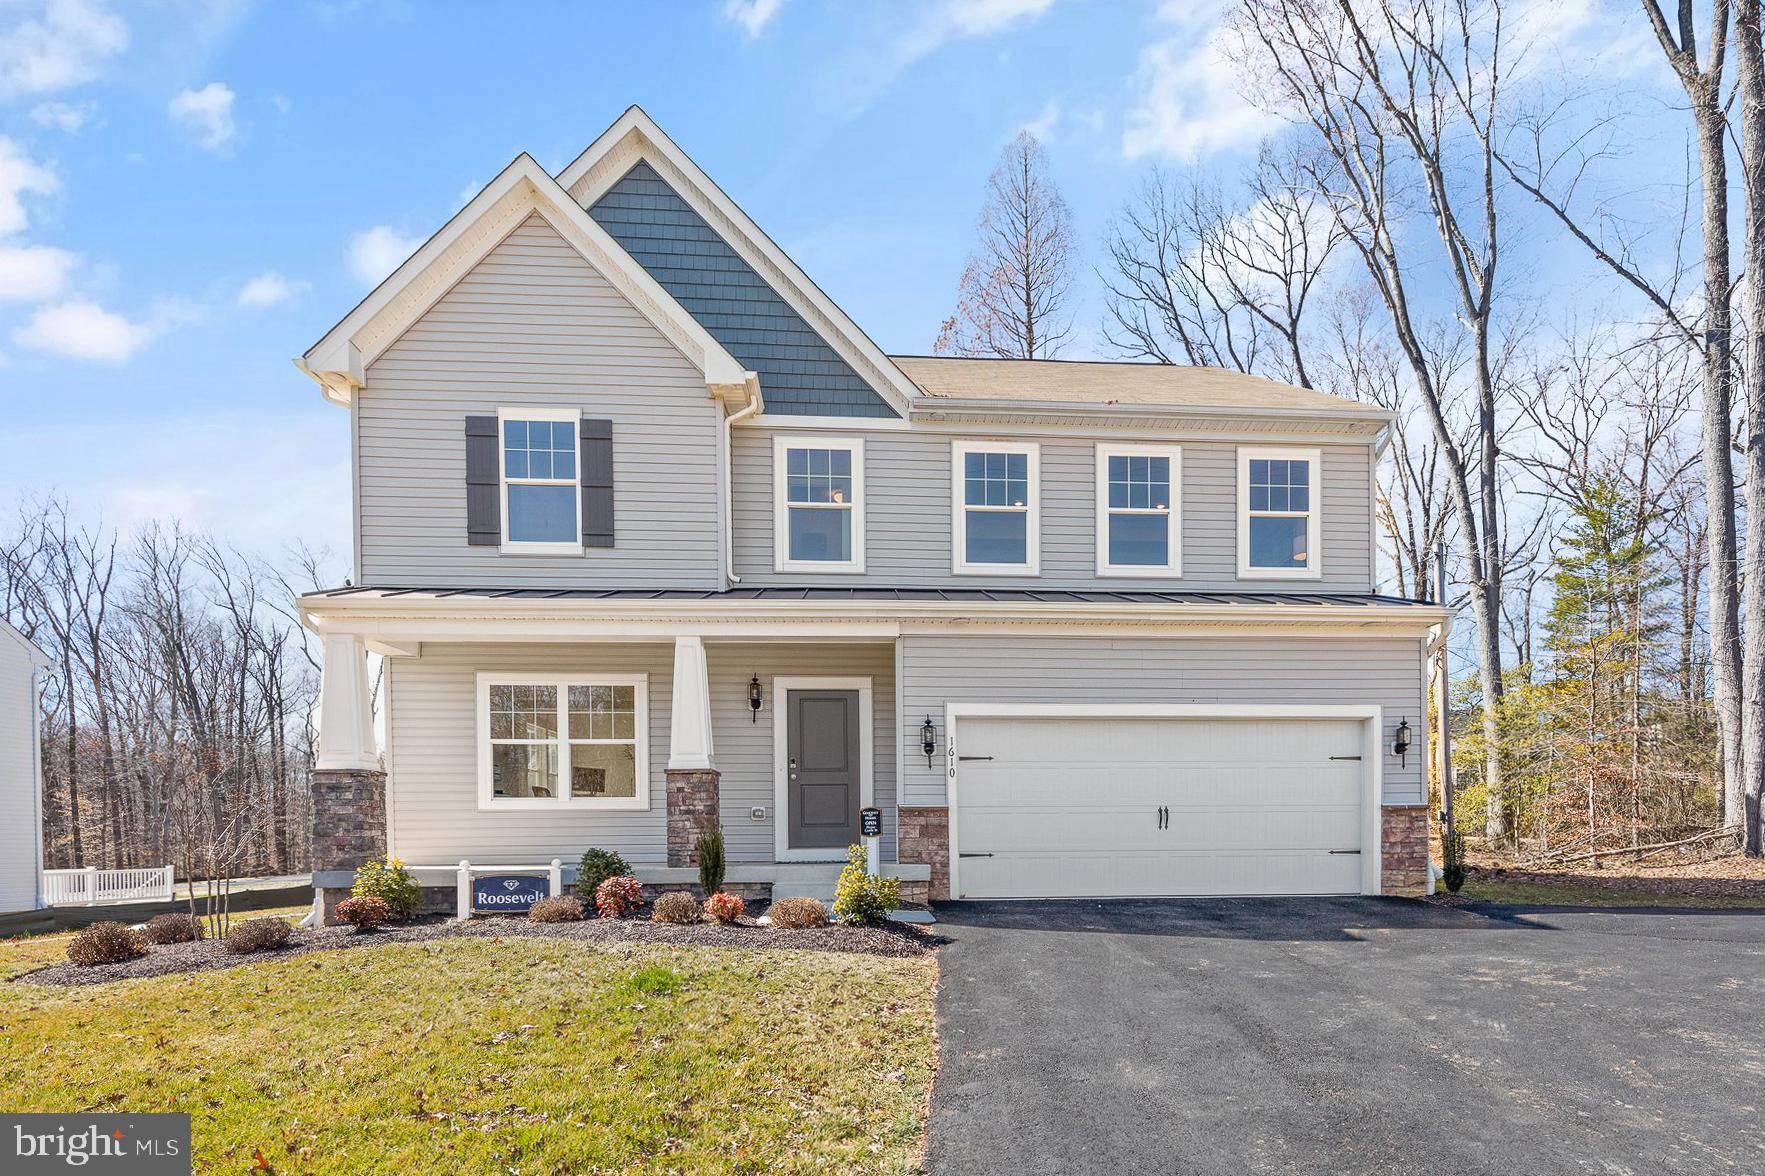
point(546, 740)
point(542, 499)
point(818, 494)
point(1138, 510)
point(1278, 512)
point(996, 489)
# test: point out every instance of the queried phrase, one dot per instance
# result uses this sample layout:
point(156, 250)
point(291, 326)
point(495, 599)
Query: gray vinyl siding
point(433, 753)
point(908, 515)
point(1387, 671)
point(21, 827)
point(800, 372)
point(535, 324)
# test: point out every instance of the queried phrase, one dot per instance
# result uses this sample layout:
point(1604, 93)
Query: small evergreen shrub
point(860, 898)
point(795, 914)
point(1452, 853)
point(676, 906)
point(725, 908)
point(597, 866)
point(173, 928)
point(617, 897)
point(389, 880)
point(105, 943)
point(565, 908)
point(366, 912)
point(257, 935)
point(710, 849)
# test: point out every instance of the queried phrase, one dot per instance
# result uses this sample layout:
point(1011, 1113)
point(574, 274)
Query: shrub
point(677, 906)
point(565, 908)
point(618, 896)
point(366, 912)
point(173, 928)
point(796, 913)
point(725, 908)
point(1452, 853)
point(710, 849)
point(391, 881)
point(655, 980)
point(858, 897)
point(596, 867)
point(257, 935)
point(105, 943)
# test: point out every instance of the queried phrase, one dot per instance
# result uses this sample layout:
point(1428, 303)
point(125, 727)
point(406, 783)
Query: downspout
point(37, 774)
point(727, 476)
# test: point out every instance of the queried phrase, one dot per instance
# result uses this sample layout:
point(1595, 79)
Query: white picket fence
point(92, 886)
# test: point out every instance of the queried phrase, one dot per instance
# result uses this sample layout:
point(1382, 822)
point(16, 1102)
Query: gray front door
point(823, 770)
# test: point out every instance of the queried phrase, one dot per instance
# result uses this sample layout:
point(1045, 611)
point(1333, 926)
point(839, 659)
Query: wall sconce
point(928, 740)
point(1400, 740)
point(756, 699)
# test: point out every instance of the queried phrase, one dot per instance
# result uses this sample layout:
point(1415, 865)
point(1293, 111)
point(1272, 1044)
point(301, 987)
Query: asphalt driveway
point(1347, 1035)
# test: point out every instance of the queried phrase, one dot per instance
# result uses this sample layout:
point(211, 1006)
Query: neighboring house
point(624, 473)
point(21, 774)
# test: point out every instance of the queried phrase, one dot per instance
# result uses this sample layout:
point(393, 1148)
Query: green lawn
point(519, 1055)
point(1530, 892)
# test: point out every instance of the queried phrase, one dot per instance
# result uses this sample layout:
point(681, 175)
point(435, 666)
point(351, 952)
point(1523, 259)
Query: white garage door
point(1050, 807)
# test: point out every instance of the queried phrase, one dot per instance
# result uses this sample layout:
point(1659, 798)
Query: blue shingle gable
point(799, 373)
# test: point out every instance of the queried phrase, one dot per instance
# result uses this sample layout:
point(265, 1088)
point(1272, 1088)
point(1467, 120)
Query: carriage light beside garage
point(1400, 741)
point(756, 699)
point(928, 740)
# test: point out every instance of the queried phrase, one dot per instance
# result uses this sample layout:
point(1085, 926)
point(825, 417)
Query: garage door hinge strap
point(966, 758)
point(974, 855)
point(1352, 757)
point(1345, 851)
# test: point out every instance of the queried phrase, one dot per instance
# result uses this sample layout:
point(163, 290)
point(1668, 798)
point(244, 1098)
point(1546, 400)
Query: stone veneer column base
point(692, 809)
point(924, 839)
point(1403, 849)
point(348, 828)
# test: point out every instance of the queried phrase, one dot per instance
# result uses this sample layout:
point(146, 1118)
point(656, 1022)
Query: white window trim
point(556, 547)
point(1173, 565)
point(1314, 568)
point(781, 506)
point(960, 564)
point(640, 683)
point(781, 796)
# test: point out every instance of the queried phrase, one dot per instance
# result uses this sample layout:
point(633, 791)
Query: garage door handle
point(974, 855)
point(1345, 851)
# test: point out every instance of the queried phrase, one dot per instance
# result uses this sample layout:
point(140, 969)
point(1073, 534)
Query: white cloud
point(1042, 126)
point(269, 288)
point(33, 273)
point(19, 173)
point(378, 251)
point(1191, 99)
point(752, 16)
point(856, 82)
point(208, 113)
point(55, 44)
point(83, 330)
point(63, 116)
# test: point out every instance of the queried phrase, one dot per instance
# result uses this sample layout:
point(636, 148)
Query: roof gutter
point(932, 407)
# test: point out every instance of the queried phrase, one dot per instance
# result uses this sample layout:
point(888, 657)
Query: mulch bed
point(889, 939)
point(1729, 877)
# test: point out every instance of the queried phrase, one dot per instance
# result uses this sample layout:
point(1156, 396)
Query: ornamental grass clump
point(173, 928)
point(617, 897)
point(597, 866)
point(365, 913)
point(257, 935)
point(725, 908)
point(105, 943)
point(710, 853)
point(389, 880)
point(861, 897)
point(677, 906)
point(797, 914)
point(565, 908)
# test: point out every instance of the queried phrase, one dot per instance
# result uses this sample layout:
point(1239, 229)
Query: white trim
point(571, 416)
point(1172, 568)
point(959, 561)
point(640, 684)
point(1372, 754)
point(1314, 562)
point(782, 443)
point(780, 690)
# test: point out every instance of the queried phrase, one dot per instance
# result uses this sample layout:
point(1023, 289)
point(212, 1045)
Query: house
point(652, 536)
point(21, 774)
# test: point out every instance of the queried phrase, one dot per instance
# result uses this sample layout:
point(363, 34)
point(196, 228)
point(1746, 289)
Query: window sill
point(1132, 572)
point(995, 570)
point(542, 549)
point(556, 805)
point(1280, 574)
point(816, 567)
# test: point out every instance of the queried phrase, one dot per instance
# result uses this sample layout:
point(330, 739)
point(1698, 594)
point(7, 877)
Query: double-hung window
point(1139, 509)
point(542, 499)
point(818, 492)
point(995, 491)
point(1278, 514)
point(548, 740)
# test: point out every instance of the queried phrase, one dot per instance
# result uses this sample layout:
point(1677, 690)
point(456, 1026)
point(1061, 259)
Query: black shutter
point(597, 483)
point(484, 508)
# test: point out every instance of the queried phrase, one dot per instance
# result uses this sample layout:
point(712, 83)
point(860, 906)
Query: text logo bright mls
point(143, 1145)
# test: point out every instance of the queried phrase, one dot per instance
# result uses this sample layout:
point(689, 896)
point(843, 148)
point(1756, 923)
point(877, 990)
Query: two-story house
point(651, 535)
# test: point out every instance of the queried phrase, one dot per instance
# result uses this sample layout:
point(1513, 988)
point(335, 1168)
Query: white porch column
point(689, 737)
point(346, 708)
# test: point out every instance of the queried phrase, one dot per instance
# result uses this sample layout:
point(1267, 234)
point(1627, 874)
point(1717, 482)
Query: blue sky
point(191, 193)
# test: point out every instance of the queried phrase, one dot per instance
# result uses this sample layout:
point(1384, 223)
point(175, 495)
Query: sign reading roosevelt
point(508, 893)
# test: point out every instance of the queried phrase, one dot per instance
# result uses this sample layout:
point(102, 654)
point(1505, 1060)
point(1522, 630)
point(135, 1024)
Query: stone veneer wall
point(1403, 848)
point(692, 809)
point(924, 839)
point(348, 825)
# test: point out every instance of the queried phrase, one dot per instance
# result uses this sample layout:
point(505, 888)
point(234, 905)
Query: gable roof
point(1104, 383)
point(635, 137)
point(35, 656)
point(339, 361)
